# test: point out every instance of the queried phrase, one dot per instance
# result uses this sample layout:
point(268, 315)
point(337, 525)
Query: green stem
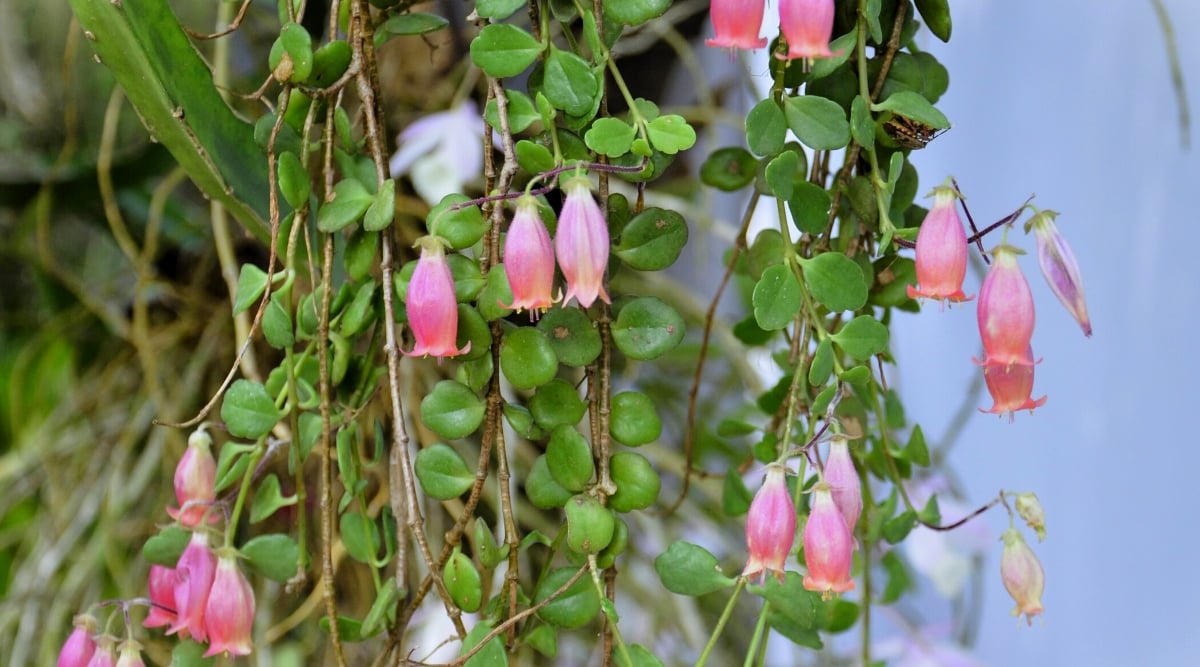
point(860, 47)
point(725, 615)
point(247, 478)
point(759, 629)
point(609, 612)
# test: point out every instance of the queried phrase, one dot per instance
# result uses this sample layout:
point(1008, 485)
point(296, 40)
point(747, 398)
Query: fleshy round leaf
point(415, 23)
point(634, 421)
point(576, 606)
point(569, 458)
point(382, 209)
point(766, 128)
point(862, 126)
point(442, 472)
point(781, 174)
point(540, 487)
point(610, 136)
point(776, 298)
point(634, 12)
point(653, 239)
point(268, 499)
point(521, 112)
point(809, 205)
point(862, 337)
point(688, 569)
point(491, 655)
point(729, 169)
point(503, 50)
point(248, 410)
point(835, 281)
point(350, 200)
point(913, 105)
point(936, 14)
point(527, 359)
point(671, 134)
point(462, 227)
point(819, 123)
point(452, 410)
point(572, 336)
point(166, 546)
point(274, 556)
point(647, 328)
point(557, 403)
point(568, 82)
point(293, 180)
point(637, 483)
point(498, 9)
point(822, 364)
point(360, 535)
point(252, 282)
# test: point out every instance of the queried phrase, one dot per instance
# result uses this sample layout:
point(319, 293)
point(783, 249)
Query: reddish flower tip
point(229, 614)
point(770, 526)
point(736, 24)
point(195, 477)
point(807, 25)
point(431, 306)
point(1011, 387)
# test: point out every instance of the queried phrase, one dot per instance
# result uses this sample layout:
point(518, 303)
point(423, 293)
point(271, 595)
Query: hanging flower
point(808, 26)
point(770, 526)
point(529, 259)
point(1005, 313)
point(131, 654)
point(1059, 267)
point(229, 615)
point(736, 24)
point(195, 477)
point(442, 151)
point(844, 483)
point(1011, 388)
point(105, 654)
point(941, 251)
point(193, 579)
point(581, 243)
point(162, 597)
point(828, 551)
point(1030, 509)
point(430, 304)
point(77, 651)
point(1022, 574)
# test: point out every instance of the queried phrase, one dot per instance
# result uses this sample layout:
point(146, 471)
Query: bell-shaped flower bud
point(1060, 268)
point(1030, 509)
point(1011, 388)
point(529, 259)
point(229, 616)
point(581, 243)
point(1005, 313)
point(131, 654)
point(195, 477)
point(941, 251)
point(430, 304)
point(844, 483)
point(770, 526)
point(1022, 574)
point(162, 597)
point(807, 25)
point(828, 550)
point(79, 648)
point(106, 652)
point(736, 24)
point(193, 579)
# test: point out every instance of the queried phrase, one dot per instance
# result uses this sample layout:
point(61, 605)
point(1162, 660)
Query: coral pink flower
point(581, 243)
point(162, 597)
point(229, 615)
point(529, 259)
point(941, 251)
point(195, 477)
point(770, 526)
point(1005, 313)
point(808, 26)
point(193, 579)
point(828, 551)
point(1022, 574)
point(844, 484)
point(430, 304)
point(1060, 268)
point(736, 24)
point(131, 654)
point(106, 654)
point(79, 647)
point(1011, 388)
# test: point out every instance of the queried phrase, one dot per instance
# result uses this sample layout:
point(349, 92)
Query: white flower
point(946, 556)
point(441, 152)
point(927, 647)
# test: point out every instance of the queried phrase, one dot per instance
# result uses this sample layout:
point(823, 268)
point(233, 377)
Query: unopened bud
point(1030, 510)
point(1022, 574)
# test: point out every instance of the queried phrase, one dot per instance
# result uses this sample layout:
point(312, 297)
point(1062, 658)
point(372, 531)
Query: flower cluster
point(1005, 310)
point(807, 26)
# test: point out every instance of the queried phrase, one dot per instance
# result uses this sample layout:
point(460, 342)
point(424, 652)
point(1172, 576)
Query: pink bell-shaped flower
point(1022, 574)
point(193, 579)
point(770, 526)
point(736, 24)
point(1011, 388)
point(162, 597)
point(106, 652)
point(1060, 268)
point(430, 304)
point(529, 259)
point(131, 654)
point(79, 648)
point(828, 550)
point(844, 483)
point(941, 251)
point(581, 243)
point(808, 26)
point(229, 616)
point(195, 477)
point(1005, 313)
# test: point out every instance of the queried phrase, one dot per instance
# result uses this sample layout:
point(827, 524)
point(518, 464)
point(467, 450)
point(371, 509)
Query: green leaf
point(165, 547)
point(360, 535)
point(862, 337)
point(671, 134)
point(231, 465)
point(735, 497)
point(931, 513)
point(491, 655)
point(569, 458)
point(610, 136)
point(862, 126)
point(574, 607)
point(442, 472)
point(382, 209)
point(729, 169)
point(189, 653)
point(818, 122)
point(543, 491)
point(252, 282)
point(521, 112)
point(898, 527)
point(557, 403)
point(898, 578)
point(527, 359)
point(913, 105)
point(534, 157)
point(647, 328)
point(568, 82)
point(653, 239)
point(809, 205)
point(841, 47)
point(503, 50)
point(463, 582)
point(572, 336)
point(634, 421)
point(822, 364)
point(498, 9)
point(350, 200)
point(452, 410)
point(634, 12)
point(836, 281)
point(639, 656)
point(384, 602)
point(274, 556)
point(776, 298)
point(248, 411)
point(293, 180)
point(688, 569)
point(795, 609)
point(277, 325)
point(937, 17)
point(766, 128)
point(268, 499)
point(543, 640)
point(916, 450)
point(461, 227)
point(413, 23)
point(294, 42)
point(360, 312)
point(781, 174)
point(857, 375)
